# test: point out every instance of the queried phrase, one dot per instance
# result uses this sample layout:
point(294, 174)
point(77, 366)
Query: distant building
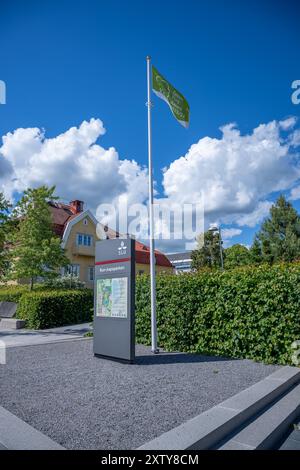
point(181, 262)
point(77, 229)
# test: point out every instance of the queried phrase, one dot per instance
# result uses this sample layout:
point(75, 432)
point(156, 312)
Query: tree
point(237, 255)
point(207, 254)
point(4, 230)
point(255, 251)
point(36, 249)
point(279, 236)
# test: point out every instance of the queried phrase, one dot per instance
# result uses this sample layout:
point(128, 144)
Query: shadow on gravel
point(177, 358)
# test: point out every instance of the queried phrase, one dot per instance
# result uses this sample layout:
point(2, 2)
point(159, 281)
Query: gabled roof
point(64, 219)
point(74, 219)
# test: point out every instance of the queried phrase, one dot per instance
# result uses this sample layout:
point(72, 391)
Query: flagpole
point(151, 217)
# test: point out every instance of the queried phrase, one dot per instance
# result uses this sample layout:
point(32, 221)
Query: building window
point(85, 222)
point(84, 239)
point(73, 269)
point(91, 273)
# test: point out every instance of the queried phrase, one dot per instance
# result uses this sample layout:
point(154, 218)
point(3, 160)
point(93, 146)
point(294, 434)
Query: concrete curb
point(15, 434)
point(8, 346)
point(267, 428)
point(12, 324)
point(207, 429)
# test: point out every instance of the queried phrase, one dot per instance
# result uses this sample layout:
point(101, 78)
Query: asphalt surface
point(83, 402)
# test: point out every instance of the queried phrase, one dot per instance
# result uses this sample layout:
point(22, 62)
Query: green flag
point(177, 102)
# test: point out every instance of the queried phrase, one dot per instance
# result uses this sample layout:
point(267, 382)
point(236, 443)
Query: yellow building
point(78, 230)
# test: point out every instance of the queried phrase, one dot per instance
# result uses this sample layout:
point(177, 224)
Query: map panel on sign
point(112, 297)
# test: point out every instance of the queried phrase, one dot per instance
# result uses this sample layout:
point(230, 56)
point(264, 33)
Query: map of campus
point(112, 297)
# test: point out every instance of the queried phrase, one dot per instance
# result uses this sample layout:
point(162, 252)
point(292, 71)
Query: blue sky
point(65, 62)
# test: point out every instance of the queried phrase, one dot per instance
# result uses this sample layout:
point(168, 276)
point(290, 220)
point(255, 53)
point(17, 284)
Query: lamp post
point(215, 229)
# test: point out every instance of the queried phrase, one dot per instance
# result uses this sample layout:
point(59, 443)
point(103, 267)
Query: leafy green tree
point(279, 236)
point(237, 255)
point(4, 230)
point(36, 249)
point(207, 254)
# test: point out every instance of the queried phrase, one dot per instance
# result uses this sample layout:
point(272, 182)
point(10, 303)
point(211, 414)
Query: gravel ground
point(83, 402)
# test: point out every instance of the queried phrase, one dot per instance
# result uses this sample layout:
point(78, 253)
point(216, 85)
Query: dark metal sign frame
point(114, 323)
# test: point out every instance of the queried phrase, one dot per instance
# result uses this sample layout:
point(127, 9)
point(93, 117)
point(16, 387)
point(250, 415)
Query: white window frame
point(73, 269)
point(86, 239)
point(91, 270)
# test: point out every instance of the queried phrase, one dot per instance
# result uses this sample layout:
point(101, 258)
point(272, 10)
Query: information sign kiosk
point(114, 299)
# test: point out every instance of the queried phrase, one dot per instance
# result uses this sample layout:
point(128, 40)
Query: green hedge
point(251, 312)
point(12, 293)
point(49, 309)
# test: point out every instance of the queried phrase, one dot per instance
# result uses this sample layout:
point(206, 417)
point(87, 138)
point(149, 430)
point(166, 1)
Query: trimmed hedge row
point(251, 312)
point(12, 293)
point(50, 309)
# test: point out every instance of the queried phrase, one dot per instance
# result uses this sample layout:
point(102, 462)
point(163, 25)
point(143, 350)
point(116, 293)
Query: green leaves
point(207, 254)
point(249, 312)
point(279, 236)
point(237, 255)
point(36, 251)
point(49, 309)
point(4, 230)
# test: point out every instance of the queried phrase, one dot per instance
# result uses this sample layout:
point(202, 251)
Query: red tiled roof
point(61, 214)
point(142, 255)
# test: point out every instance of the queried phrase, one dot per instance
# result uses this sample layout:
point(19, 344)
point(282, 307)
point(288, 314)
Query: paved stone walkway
point(24, 337)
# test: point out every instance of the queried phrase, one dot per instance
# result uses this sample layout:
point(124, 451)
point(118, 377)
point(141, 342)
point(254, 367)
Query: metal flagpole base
point(155, 351)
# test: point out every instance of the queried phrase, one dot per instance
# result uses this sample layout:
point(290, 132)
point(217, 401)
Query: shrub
point(48, 309)
point(251, 312)
point(12, 293)
point(64, 282)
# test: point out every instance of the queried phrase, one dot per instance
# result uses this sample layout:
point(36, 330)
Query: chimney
point(76, 206)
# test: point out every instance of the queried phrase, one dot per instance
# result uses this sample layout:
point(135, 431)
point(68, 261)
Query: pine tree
point(279, 236)
point(207, 254)
point(36, 250)
point(255, 251)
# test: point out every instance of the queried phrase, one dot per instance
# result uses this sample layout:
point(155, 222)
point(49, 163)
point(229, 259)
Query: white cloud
point(73, 162)
point(295, 194)
point(295, 138)
point(288, 123)
point(236, 171)
point(256, 216)
point(230, 232)
point(5, 169)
